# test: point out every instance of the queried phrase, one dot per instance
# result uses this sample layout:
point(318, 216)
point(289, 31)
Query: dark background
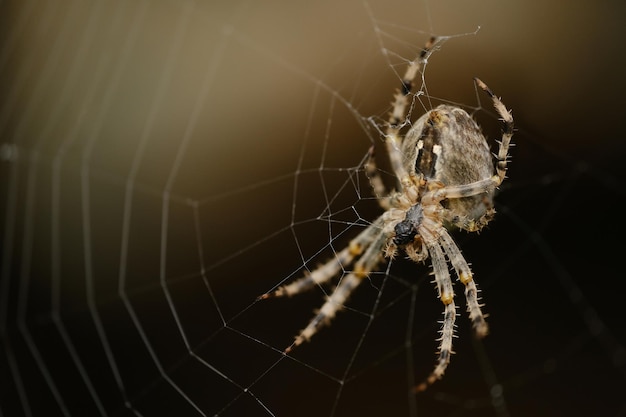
point(203, 125)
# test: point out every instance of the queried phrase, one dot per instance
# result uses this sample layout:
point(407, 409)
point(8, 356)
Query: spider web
point(164, 164)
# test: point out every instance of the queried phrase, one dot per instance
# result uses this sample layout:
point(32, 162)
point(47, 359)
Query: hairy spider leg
point(446, 295)
point(376, 182)
point(466, 277)
point(507, 131)
point(366, 263)
point(332, 267)
point(398, 114)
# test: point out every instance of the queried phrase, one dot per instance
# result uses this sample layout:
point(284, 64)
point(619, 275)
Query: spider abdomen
point(447, 145)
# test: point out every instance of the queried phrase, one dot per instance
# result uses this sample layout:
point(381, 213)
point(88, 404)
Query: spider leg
point(460, 191)
point(398, 114)
point(376, 182)
point(446, 295)
point(507, 131)
point(465, 276)
point(370, 259)
point(332, 267)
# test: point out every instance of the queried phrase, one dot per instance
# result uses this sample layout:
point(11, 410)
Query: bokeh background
point(164, 163)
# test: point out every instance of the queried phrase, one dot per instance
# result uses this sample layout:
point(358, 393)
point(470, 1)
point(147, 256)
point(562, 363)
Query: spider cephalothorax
point(445, 179)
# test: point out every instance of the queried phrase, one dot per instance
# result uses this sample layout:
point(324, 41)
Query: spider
point(446, 180)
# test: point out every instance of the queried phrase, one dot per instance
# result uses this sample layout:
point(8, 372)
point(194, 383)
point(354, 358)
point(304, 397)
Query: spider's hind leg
point(325, 272)
point(336, 300)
